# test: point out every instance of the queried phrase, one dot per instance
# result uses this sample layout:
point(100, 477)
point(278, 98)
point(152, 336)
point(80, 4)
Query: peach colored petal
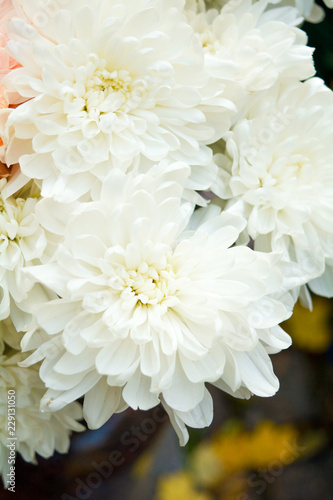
point(7, 63)
point(3, 100)
point(6, 7)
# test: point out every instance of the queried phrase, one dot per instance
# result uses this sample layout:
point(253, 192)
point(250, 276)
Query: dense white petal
point(128, 85)
point(278, 168)
point(100, 403)
point(154, 304)
point(22, 244)
point(36, 432)
point(250, 45)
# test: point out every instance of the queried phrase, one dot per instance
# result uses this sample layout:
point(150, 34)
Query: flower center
point(209, 42)
point(99, 90)
point(146, 284)
point(296, 171)
point(10, 218)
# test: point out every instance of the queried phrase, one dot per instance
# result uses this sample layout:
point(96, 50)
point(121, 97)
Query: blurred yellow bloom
point(206, 465)
point(144, 464)
point(311, 330)
point(179, 486)
point(234, 450)
point(270, 442)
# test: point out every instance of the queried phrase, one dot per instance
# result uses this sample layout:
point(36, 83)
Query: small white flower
point(249, 47)
point(22, 242)
point(278, 175)
point(35, 431)
point(111, 82)
point(155, 302)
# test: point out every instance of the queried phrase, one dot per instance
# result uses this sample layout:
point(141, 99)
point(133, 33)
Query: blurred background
point(277, 448)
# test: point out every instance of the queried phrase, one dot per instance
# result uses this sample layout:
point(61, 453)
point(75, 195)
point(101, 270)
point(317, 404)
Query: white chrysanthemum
point(150, 312)
point(35, 431)
point(249, 48)
point(22, 242)
point(278, 175)
point(110, 82)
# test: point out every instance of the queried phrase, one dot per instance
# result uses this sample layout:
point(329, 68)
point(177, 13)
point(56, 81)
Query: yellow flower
point(144, 464)
point(310, 330)
point(235, 449)
point(207, 465)
point(179, 486)
point(270, 443)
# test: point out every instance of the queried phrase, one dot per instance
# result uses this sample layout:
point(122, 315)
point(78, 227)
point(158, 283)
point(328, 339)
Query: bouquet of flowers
point(166, 197)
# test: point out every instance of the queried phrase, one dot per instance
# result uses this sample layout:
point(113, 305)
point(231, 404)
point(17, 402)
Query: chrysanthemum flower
point(109, 82)
point(22, 242)
point(278, 174)
point(35, 432)
point(249, 48)
point(153, 304)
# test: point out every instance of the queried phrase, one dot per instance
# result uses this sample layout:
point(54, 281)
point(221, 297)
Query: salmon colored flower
point(7, 63)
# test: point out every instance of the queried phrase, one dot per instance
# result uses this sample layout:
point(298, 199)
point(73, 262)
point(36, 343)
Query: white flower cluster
point(167, 197)
point(23, 427)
